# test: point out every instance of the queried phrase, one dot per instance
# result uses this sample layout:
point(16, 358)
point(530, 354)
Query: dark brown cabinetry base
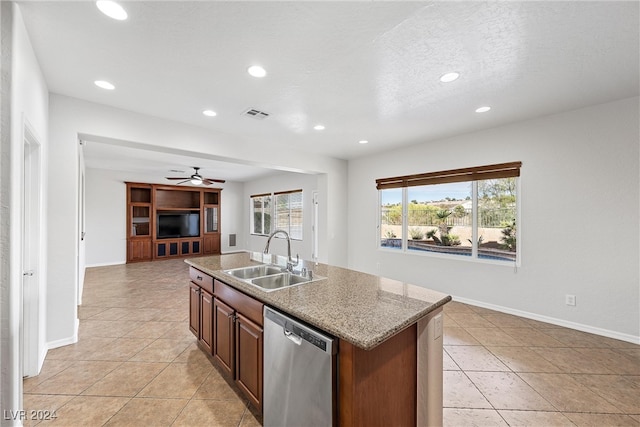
point(378, 387)
point(249, 356)
point(228, 325)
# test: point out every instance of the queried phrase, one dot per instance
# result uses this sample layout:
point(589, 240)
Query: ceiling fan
point(196, 178)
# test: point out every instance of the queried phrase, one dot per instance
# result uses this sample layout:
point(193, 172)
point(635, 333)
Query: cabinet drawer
point(249, 307)
point(203, 280)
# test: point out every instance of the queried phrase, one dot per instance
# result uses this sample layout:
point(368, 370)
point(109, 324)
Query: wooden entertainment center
point(167, 221)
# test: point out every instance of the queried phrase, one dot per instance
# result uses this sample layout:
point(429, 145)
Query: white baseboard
point(105, 264)
point(65, 341)
point(42, 356)
point(560, 322)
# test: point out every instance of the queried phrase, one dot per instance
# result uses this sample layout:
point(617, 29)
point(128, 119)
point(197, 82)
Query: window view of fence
point(440, 218)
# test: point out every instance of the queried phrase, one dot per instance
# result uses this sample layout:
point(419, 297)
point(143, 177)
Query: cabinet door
point(194, 309)
point(139, 250)
point(211, 219)
point(206, 320)
point(140, 220)
point(249, 359)
point(212, 243)
point(223, 337)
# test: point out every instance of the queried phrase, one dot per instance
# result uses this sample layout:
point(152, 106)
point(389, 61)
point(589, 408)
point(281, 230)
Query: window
point(391, 218)
point(261, 214)
point(285, 213)
point(470, 212)
point(289, 213)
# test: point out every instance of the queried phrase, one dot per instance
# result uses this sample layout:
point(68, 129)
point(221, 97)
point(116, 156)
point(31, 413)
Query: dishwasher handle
point(297, 332)
point(291, 336)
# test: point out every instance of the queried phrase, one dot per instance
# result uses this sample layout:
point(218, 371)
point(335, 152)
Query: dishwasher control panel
point(309, 337)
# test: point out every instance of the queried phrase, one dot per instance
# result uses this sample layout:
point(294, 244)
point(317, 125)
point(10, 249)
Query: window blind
point(287, 192)
point(500, 170)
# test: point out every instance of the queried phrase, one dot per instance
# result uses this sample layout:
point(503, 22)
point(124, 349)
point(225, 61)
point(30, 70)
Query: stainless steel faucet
point(290, 263)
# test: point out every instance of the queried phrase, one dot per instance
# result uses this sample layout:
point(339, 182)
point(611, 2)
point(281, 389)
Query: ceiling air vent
point(256, 114)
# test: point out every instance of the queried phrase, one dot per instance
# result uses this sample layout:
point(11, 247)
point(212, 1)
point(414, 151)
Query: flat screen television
point(178, 224)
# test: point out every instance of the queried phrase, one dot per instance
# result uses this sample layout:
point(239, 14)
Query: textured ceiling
point(366, 70)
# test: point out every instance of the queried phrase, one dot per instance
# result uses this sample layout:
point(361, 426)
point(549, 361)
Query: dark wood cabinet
point(224, 336)
point(211, 244)
point(206, 321)
point(201, 322)
point(238, 339)
point(194, 309)
point(229, 326)
point(249, 359)
point(139, 222)
point(148, 204)
point(170, 248)
point(139, 250)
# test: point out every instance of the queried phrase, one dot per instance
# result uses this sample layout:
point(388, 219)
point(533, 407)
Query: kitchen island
point(390, 334)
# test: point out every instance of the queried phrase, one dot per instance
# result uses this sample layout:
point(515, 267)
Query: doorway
point(32, 301)
point(81, 223)
point(314, 227)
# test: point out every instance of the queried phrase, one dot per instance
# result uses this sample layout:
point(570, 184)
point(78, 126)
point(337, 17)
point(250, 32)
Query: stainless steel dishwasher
point(299, 373)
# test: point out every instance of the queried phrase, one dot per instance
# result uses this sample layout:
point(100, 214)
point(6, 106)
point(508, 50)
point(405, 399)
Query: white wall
point(579, 221)
point(231, 218)
point(285, 182)
point(62, 243)
point(106, 215)
point(105, 218)
point(28, 104)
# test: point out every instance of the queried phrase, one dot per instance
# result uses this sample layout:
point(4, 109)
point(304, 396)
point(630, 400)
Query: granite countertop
point(360, 308)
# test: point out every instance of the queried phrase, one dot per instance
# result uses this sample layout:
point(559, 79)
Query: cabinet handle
point(199, 277)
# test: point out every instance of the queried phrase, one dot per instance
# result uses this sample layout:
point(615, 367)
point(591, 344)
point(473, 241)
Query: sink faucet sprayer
point(290, 263)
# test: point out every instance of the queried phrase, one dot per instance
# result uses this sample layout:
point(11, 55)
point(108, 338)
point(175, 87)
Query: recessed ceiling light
point(449, 77)
point(318, 127)
point(112, 9)
point(483, 109)
point(363, 141)
point(104, 85)
point(257, 71)
point(209, 113)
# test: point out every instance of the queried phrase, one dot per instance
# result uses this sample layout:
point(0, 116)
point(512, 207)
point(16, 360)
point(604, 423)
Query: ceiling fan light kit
point(195, 179)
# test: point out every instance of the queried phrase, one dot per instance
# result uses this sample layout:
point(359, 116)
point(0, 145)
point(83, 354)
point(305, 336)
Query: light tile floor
point(136, 363)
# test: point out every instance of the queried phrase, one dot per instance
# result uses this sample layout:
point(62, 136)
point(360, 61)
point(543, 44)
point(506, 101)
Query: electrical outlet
point(570, 299)
point(437, 326)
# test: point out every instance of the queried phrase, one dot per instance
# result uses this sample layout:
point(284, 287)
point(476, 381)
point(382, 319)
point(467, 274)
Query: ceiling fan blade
point(212, 180)
point(186, 180)
point(173, 177)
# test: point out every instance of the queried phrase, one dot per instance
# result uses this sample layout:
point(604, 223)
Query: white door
point(32, 312)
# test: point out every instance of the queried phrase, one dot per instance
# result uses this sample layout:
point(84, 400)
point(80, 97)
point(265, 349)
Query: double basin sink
point(271, 277)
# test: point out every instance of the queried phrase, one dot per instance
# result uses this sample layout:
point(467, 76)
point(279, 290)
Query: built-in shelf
point(146, 201)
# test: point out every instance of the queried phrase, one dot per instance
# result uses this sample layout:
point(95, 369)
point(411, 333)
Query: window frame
point(273, 212)
point(263, 212)
point(473, 175)
point(276, 213)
